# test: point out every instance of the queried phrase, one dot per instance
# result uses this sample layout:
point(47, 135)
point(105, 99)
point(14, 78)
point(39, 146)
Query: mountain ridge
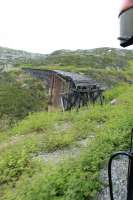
point(97, 57)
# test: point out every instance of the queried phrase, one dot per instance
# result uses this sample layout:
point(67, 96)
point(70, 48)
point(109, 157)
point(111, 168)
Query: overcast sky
point(47, 25)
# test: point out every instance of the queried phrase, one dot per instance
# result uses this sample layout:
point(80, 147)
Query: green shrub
point(19, 98)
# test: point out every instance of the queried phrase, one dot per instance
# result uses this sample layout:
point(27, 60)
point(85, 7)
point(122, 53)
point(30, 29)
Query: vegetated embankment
point(24, 175)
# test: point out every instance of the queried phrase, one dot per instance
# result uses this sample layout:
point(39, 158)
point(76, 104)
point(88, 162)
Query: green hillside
point(106, 65)
point(24, 175)
point(96, 58)
point(59, 155)
point(20, 95)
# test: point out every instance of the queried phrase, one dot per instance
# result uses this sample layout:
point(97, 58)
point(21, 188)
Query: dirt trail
point(60, 155)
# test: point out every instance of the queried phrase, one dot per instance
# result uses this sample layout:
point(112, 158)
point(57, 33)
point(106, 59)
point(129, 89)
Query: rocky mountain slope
point(11, 57)
point(96, 58)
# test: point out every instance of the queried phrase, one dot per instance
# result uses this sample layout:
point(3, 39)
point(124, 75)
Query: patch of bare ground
point(63, 127)
point(66, 153)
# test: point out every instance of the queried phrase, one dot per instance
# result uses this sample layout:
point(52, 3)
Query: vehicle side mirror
point(126, 27)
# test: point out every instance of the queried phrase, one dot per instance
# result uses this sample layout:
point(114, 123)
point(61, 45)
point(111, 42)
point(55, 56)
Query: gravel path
point(60, 155)
point(119, 175)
